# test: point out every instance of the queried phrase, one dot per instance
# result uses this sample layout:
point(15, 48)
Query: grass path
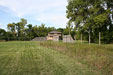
point(28, 58)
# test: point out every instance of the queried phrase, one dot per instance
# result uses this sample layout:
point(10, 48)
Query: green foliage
point(92, 16)
point(23, 31)
point(42, 31)
point(2, 34)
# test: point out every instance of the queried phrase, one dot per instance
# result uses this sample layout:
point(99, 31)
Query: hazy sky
point(49, 12)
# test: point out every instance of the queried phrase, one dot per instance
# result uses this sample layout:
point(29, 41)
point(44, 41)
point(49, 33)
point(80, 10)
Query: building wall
point(54, 37)
point(49, 38)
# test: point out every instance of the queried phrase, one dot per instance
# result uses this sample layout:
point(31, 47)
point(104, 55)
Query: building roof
point(54, 32)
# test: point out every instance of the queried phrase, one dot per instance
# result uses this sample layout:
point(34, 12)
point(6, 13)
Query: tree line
point(21, 31)
point(93, 19)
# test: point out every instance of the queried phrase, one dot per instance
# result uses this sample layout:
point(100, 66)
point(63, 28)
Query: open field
point(50, 58)
point(96, 57)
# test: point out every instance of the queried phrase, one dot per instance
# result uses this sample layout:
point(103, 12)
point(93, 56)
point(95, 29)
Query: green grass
point(98, 58)
point(30, 58)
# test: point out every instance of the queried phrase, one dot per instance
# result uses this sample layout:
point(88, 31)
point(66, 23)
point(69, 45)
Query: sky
point(50, 12)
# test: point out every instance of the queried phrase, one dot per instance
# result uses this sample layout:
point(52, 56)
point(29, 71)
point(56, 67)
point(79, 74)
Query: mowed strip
point(29, 58)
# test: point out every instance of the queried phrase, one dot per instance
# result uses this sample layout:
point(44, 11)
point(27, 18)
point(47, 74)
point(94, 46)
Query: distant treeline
point(21, 31)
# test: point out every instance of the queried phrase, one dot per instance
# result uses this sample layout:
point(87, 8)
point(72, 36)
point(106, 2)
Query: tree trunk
point(30, 38)
point(99, 38)
point(89, 38)
point(69, 31)
point(75, 38)
point(81, 38)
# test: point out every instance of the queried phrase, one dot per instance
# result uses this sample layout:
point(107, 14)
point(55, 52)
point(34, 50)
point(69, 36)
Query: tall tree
point(12, 30)
point(11, 27)
point(29, 30)
point(92, 16)
point(20, 26)
point(2, 34)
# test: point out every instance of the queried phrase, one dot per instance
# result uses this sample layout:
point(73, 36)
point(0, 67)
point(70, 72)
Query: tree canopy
point(92, 16)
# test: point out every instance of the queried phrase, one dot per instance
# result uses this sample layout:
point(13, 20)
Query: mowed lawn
point(30, 58)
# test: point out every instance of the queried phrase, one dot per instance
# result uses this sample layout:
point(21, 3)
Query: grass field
point(94, 56)
point(49, 58)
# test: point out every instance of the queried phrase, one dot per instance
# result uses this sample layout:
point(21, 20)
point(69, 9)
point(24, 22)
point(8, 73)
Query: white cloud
point(56, 20)
point(49, 11)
